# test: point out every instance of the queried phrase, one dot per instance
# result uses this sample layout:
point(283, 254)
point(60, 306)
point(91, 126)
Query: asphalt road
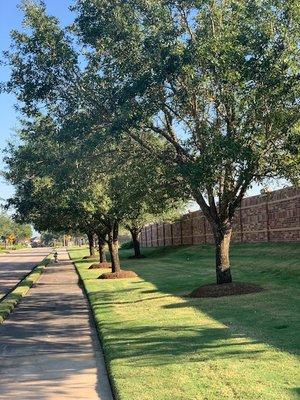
point(14, 266)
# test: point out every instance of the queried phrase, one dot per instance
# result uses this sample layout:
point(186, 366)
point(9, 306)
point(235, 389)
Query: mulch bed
point(103, 265)
point(118, 275)
point(226, 289)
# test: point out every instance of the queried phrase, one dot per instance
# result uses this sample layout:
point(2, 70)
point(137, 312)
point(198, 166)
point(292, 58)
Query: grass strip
point(11, 299)
point(161, 345)
point(85, 287)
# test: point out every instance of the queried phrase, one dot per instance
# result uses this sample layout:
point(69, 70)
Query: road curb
point(11, 299)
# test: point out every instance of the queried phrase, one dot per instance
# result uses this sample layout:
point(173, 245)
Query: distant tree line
point(12, 233)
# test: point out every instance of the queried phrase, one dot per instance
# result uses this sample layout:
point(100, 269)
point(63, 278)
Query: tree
point(12, 232)
point(6, 227)
point(43, 64)
point(22, 232)
point(66, 192)
point(50, 238)
point(154, 194)
point(218, 81)
point(43, 196)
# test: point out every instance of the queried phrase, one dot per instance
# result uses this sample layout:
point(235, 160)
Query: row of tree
point(12, 233)
point(63, 187)
point(140, 105)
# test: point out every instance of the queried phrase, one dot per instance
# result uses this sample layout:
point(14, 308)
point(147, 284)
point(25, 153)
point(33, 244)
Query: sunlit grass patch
point(162, 345)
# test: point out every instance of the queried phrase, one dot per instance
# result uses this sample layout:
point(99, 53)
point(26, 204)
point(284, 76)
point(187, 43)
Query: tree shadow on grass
point(248, 315)
point(89, 261)
point(270, 316)
point(94, 296)
point(156, 345)
point(296, 391)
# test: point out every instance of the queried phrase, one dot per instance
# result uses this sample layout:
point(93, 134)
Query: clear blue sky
point(11, 18)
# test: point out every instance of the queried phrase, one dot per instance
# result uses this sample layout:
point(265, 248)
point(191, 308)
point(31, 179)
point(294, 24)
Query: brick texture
point(272, 217)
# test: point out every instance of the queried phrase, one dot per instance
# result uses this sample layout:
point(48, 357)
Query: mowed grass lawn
point(161, 345)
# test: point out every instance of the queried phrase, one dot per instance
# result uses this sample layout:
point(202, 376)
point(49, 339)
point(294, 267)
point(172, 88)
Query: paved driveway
point(17, 264)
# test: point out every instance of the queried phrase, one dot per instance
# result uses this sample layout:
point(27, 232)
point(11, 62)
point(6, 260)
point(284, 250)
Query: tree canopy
point(206, 93)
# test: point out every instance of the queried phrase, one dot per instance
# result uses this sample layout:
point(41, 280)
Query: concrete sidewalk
point(49, 347)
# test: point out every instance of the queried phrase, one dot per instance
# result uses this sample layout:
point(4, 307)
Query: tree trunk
point(136, 242)
point(102, 255)
point(91, 244)
point(101, 244)
point(113, 246)
point(222, 235)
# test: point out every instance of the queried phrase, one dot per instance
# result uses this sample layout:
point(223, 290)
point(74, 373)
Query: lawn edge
point(15, 295)
point(98, 330)
point(107, 335)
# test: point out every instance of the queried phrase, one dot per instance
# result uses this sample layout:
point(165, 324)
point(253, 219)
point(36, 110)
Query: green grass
point(8, 304)
point(13, 247)
point(160, 345)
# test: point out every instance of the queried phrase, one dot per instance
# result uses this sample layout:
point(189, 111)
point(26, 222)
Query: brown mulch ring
point(102, 265)
point(226, 289)
point(118, 275)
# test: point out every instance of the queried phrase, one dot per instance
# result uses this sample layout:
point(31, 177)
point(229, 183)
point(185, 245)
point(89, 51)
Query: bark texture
point(101, 245)
point(102, 255)
point(91, 244)
point(113, 246)
point(136, 243)
point(222, 236)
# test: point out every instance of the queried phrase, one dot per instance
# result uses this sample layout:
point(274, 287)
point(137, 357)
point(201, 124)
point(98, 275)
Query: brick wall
point(273, 217)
